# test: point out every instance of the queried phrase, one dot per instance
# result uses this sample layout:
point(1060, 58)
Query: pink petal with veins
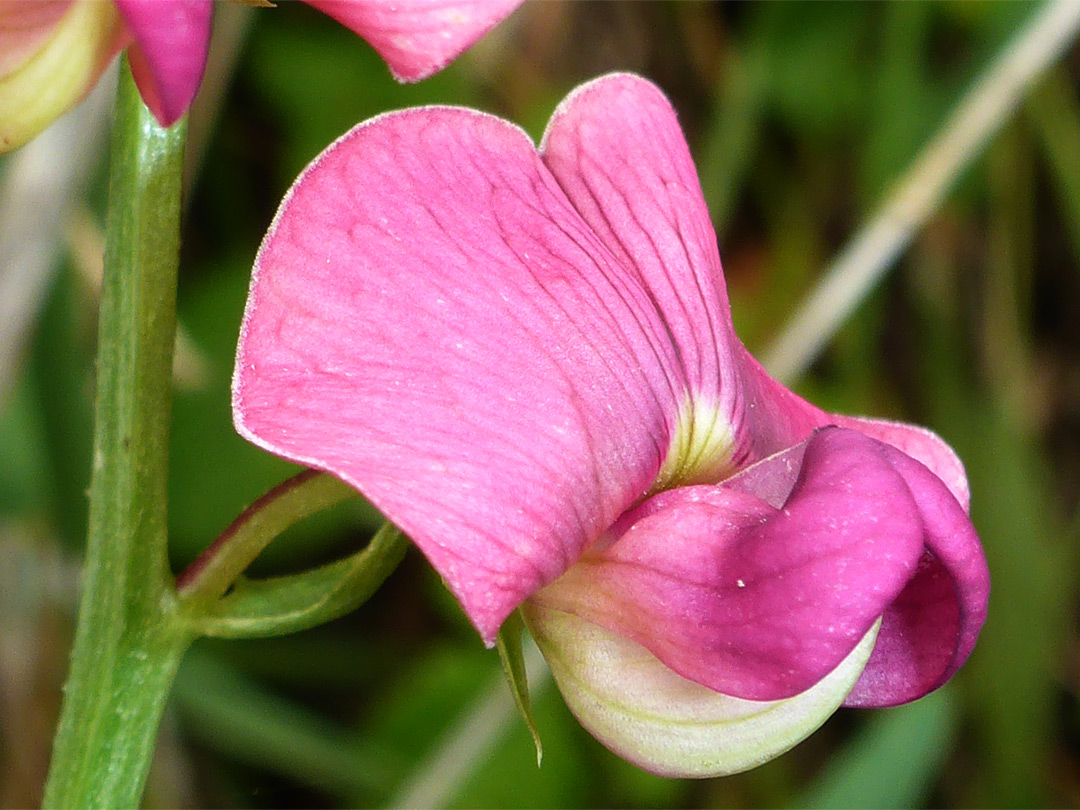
point(168, 57)
point(418, 37)
point(433, 321)
point(615, 146)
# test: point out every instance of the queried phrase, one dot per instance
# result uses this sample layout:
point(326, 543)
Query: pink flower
point(525, 359)
point(52, 52)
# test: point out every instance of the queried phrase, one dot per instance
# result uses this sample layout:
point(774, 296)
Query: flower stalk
point(128, 643)
point(208, 578)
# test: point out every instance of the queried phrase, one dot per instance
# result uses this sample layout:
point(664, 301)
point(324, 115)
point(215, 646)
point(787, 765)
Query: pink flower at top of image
point(525, 358)
point(52, 52)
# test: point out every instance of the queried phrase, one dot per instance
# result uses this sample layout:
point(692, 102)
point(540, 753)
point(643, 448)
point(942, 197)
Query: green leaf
point(513, 663)
point(271, 607)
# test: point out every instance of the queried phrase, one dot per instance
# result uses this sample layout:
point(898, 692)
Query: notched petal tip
point(631, 86)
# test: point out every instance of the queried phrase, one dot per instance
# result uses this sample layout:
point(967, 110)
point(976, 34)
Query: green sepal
point(273, 607)
point(508, 644)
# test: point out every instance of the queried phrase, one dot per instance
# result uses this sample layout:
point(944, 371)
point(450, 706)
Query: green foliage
point(893, 761)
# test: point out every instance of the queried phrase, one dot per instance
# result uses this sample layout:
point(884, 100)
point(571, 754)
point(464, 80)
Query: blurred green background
point(800, 118)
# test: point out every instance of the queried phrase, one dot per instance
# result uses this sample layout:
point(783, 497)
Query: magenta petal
point(773, 417)
point(418, 37)
point(920, 444)
point(172, 38)
point(747, 599)
point(431, 320)
point(930, 629)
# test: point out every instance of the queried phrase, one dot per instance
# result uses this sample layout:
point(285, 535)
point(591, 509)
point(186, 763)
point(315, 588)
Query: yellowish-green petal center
point(702, 448)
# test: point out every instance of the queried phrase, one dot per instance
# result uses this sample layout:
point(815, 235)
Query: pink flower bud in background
point(52, 52)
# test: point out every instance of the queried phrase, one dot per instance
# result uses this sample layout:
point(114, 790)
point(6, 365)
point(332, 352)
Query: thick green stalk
point(128, 642)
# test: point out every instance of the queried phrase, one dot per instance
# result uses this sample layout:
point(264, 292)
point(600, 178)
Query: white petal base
point(666, 724)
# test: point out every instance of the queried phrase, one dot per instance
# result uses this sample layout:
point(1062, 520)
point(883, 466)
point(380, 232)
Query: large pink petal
point(172, 38)
point(431, 320)
point(418, 37)
point(747, 599)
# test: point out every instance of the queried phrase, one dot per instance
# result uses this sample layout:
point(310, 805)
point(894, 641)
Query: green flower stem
point(128, 642)
point(272, 607)
point(208, 578)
